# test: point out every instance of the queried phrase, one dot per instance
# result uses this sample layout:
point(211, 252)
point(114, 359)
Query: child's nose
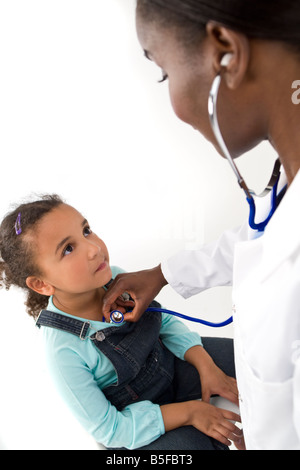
point(93, 250)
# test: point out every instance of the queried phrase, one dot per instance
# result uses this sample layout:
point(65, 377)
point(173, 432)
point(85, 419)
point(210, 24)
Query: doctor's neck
point(284, 111)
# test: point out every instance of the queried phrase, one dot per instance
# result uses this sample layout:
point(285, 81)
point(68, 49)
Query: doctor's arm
point(188, 273)
point(192, 272)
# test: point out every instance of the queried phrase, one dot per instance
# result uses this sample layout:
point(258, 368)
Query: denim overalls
point(145, 368)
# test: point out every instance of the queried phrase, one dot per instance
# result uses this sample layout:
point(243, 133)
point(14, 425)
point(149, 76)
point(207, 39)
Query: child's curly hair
point(17, 260)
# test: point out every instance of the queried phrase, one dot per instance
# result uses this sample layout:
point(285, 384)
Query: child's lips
point(101, 266)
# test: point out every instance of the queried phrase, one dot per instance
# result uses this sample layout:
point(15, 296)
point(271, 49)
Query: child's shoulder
point(63, 350)
point(115, 270)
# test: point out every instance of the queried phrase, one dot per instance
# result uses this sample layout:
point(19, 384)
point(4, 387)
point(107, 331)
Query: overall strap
point(64, 323)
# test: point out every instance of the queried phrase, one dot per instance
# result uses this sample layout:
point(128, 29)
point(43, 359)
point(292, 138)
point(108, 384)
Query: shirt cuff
point(147, 424)
point(172, 281)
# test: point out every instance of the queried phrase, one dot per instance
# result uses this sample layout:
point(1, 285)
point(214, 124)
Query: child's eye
point(87, 231)
point(164, 77)
point(68, 250)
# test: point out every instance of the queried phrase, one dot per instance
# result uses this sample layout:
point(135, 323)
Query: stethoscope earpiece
point(226, 60)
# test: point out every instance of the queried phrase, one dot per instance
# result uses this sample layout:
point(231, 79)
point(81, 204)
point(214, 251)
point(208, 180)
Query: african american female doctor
point(260, 39)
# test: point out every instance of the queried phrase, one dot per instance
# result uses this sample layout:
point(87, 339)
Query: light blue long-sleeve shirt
point(80, 372)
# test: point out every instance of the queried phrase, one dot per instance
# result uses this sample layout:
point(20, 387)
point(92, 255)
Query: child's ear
point(39, 286)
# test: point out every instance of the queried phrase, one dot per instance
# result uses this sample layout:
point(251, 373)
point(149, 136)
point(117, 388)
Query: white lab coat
point(265, 273)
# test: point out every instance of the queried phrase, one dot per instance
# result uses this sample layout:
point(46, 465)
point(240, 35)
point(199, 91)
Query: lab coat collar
point(282, 235)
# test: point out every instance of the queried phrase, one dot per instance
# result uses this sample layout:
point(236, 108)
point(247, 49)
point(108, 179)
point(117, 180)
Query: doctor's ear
point(231, 53)
point(39, 286)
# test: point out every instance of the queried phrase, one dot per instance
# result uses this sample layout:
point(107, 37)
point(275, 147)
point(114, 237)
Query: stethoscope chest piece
point(116, 317)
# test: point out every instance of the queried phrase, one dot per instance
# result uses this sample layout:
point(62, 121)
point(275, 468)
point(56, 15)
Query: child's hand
point(215, 382)
point(214, 422)
point(217, 423)
point(240, 443)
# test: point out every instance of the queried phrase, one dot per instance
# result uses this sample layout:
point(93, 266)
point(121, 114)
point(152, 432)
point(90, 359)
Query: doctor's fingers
point(122, 306)
point(142, 286)
point(137, 312)
point(112, 298)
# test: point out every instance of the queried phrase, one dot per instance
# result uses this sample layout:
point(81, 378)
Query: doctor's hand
point(143, 287)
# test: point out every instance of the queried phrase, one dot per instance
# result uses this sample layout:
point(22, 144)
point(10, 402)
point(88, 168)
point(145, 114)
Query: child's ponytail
point(17, 254)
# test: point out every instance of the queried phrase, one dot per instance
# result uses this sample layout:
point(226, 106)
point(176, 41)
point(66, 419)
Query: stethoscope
point(116, 316)
point(273, 183)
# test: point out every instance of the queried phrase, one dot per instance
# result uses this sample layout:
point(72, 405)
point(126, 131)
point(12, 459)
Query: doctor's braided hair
point(17, 255)
point(262, 19)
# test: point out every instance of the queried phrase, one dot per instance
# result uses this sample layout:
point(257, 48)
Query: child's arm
point(214, 422)
point(135, 426)
point(213, 380)
point(208, 419)
point(187, 345)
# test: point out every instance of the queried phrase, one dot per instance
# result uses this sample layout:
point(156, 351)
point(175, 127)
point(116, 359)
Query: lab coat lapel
point(282, 235)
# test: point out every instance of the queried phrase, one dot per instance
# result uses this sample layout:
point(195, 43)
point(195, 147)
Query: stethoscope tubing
point(260, 227)
point(250, 194)
point(176, 314)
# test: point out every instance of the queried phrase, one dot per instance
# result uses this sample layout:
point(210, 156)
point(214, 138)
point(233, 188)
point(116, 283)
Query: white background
point(82, 115)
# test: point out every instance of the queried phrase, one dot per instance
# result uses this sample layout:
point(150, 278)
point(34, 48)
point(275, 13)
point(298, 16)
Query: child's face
point(71, 257)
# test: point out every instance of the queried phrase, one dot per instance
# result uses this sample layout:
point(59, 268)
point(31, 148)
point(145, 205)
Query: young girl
point(133, 385)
